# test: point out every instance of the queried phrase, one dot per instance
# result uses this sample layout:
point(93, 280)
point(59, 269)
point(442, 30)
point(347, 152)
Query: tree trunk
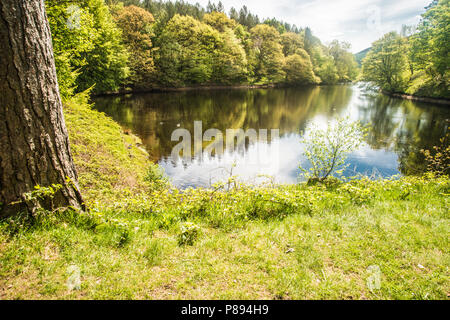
point(34, 144)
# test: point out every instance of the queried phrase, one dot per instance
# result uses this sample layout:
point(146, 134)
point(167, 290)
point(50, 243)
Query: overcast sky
point(359, 22)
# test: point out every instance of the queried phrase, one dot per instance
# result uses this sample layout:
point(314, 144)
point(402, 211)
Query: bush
point(189, 233)
point(155, 177)
point(327, 149)
point(112, 234)
point(438, 159)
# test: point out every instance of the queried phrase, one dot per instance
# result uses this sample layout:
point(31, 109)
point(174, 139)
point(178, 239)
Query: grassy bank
point(143, 239)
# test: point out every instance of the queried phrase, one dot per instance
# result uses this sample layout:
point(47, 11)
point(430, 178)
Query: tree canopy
point(112, 45)
point(415, 61)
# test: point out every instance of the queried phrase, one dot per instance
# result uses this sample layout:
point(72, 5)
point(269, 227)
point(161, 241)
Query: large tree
point(386, 64)
point(136, 24)
point(34, 144)
point(269, 54)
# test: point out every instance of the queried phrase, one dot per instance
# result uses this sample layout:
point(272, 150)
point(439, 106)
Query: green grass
point(109, 161)
point(126, 252)
point(285, 242)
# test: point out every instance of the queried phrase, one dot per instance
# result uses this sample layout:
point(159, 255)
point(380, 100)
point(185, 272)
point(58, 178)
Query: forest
point(416, 60)
point(142, 45)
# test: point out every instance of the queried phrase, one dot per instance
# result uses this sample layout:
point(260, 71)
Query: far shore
point(442, 101)
point(405, 96)
point(208, 87)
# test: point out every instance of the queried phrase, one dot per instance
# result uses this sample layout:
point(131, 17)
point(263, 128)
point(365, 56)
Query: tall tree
point(34, 144)
point(136, 26)
point(386, 64)
point(270, 58)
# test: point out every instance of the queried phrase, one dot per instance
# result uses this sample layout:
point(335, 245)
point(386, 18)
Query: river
point(399, 129)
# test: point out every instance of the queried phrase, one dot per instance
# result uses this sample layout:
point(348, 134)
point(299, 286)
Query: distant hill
point(361, 55)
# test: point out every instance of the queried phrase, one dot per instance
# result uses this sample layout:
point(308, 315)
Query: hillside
point(361, 55)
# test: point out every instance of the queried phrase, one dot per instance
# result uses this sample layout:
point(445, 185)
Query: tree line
point(416, 60)
point(113, 45)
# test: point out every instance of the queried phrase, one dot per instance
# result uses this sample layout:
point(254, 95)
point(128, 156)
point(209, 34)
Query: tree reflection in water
point(400, 128)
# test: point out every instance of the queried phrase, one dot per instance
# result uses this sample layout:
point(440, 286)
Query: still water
point(399, 129)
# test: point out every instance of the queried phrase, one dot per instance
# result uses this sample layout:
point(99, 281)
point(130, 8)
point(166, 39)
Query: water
point(399, 129)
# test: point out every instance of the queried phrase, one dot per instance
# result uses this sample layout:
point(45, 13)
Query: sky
point(359, 22)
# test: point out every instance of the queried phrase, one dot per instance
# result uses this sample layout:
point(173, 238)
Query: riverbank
point(205, 88)
point(181, 89)
point(143, 239)
point(405, 96)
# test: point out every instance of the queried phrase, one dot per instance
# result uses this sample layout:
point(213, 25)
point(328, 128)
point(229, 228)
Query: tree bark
point(34, 144)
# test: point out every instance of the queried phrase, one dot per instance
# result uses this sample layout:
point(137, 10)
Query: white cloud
point(338, 19)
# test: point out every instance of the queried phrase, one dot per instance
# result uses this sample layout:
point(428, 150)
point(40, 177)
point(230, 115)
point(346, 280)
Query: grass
point(285, 242)
point(109, 161)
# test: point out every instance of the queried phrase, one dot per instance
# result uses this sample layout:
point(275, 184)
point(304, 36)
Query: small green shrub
point(167, 220)
point(155, 177)
point(438, 159)
point(359, 192)
point(112, 234)
point(189, 233)
point(327, 149)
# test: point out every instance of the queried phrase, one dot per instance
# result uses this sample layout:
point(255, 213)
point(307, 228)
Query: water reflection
point(400, 128)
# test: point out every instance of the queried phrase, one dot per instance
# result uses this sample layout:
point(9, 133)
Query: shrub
point(438, 159)
point(189, 233)
point(112, 234)
point(155, 177)
point(327, 149)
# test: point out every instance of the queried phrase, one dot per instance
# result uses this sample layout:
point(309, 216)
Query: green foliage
point(429, 52)
point(182, 47)
point(230, 57)
point(155, 177)
point(186, 51)
point(361, 55)
point(327, 149)
point(88, 46)
point(189, 233)
point(299, 69)
point(345, 62)
point(219, 21)
point(42, 193)
point(414, 62)
point(72, 30)
point(438, 159)
point(136, 25)
point(291, 42)
point(112, 233)
point(106, 65)
point(324, 66)
point(386, 64)
point(269, 54)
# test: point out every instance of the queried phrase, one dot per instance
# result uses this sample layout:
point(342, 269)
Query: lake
point(399, 129)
